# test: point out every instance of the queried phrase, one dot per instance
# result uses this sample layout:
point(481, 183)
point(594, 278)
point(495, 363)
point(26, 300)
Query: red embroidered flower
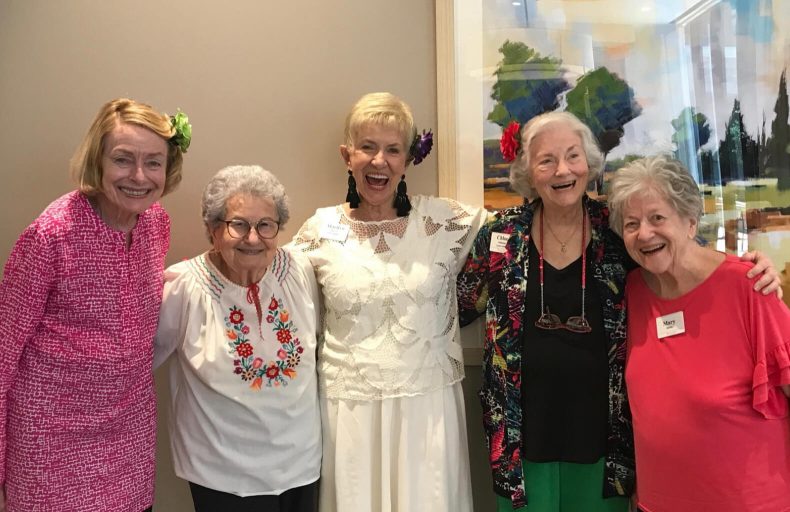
point(270, 319)
point(245, 329)
point(282, 354)
point(236, 316)
point(299, 349)
point(273, 304)
point(510, 142)
point(244, 349)
point(257, 363)
point(284, 335)
point(272, 371)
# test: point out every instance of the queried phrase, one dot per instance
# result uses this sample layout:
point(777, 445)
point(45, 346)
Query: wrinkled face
point(655, 235)
point(134, 165)
point(377, 160)
point(558, 166)
point(250, 254)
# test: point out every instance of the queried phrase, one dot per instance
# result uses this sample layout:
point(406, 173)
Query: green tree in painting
point(777, 146)
point(692, 131)
point(738, 157)
point(605, 103)
point(527, 84)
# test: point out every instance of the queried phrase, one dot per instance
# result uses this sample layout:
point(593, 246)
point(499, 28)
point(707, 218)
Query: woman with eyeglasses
point(245, 426)
point(550, 278)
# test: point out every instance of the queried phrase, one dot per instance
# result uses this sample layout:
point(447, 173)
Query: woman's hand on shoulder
point(769, 281)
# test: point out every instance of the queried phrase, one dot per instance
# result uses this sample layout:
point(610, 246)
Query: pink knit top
point(78, 314)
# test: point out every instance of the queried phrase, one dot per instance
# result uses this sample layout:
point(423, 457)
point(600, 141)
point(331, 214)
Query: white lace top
point(389, 307)
point(244, 414)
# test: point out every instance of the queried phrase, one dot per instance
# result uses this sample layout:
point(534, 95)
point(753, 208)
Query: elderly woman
point(708, 364)
point(79, 304)
point(550, 278)
point(241, 318)
point(390, 368)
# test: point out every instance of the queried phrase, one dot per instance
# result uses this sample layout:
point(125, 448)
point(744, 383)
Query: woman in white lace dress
point(390, 367)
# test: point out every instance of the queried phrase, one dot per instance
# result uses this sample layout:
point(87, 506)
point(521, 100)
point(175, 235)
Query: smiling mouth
point(249, 252)
point(564, 186)
point(377, 180)
point(652, 249)
point(134, 192)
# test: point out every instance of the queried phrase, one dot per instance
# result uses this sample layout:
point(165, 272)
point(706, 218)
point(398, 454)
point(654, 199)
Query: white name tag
point(334, 231)
point(499, 242)
point(670, 325)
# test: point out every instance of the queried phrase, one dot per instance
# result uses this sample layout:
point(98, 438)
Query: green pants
point(565, 487)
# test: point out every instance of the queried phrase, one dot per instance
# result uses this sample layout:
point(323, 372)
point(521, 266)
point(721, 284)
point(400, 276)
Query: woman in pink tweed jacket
point(79, 304)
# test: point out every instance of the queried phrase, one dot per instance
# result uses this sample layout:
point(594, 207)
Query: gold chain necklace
point(563, 245)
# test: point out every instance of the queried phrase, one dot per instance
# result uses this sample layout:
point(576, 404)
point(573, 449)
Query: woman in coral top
point(79, 304)
point(708, 364)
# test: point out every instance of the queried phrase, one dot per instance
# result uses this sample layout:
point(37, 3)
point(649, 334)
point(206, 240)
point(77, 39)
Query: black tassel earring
point(352, 197)
point(402, 203)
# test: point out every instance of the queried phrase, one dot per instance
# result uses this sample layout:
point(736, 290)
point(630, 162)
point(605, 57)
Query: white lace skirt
point(396, 455)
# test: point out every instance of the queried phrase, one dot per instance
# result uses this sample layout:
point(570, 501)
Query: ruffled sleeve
point(770, 324)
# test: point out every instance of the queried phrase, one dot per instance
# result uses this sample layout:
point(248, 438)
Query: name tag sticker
point(670, 325)
point(499, 242)
point(334, 231)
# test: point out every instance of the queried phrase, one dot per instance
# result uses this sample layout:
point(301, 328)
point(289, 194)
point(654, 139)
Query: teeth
point(564, 185)
point(651, 249)
point(134, 192)
point(378, 176)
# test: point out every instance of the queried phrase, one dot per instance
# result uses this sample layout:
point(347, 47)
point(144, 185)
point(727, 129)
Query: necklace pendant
point(562, 248)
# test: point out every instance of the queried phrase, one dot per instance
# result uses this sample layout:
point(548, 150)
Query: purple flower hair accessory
point(421, 146)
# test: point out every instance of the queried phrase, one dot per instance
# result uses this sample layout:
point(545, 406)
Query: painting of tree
point(527, 84)
point(777, 147)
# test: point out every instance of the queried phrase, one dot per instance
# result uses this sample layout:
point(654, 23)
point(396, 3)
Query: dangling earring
point(402, 204)
point(352, 197)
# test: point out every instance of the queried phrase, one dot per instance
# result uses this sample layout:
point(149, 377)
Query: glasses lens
point(548, 321)
point(238, 228)
point(577, 324)
point(267, 228)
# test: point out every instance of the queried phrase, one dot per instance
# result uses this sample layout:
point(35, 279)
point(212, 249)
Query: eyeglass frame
point(250, 226)
point(551, 324)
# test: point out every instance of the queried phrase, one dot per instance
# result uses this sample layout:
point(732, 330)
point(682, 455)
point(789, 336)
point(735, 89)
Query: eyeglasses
point(549, 320)
point(240, 228)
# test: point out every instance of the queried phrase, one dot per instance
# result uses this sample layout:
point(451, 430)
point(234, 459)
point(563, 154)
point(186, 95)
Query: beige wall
point(263, 82)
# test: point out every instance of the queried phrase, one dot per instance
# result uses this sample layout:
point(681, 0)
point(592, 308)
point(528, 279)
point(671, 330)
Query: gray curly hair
point(241, 179)
point(660, 175)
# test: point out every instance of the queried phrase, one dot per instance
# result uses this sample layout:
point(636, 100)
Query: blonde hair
point(520, 173)
point(384, 109)
point(660, 175)
point(86, 164)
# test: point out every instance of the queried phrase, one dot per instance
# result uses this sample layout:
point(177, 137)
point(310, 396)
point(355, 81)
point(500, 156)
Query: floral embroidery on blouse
point(255, 369)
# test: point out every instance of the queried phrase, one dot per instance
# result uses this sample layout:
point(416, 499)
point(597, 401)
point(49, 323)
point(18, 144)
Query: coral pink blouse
point(78, 314)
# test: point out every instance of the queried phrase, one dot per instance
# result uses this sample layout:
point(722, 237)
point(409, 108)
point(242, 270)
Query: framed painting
point(702, 80)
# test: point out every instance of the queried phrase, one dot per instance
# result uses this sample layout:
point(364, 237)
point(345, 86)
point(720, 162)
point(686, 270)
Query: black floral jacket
point(496, 283)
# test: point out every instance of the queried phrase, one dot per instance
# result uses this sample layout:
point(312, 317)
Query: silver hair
point(241, 179)
point(520, 172)
point(660, 175)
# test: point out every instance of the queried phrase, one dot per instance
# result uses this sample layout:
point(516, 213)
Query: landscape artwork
point(704, 81)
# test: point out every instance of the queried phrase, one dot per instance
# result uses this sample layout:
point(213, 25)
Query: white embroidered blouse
point(389, 305)
point(244, 416)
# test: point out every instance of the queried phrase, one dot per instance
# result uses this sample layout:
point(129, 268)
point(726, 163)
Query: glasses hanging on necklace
point(549, 320)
